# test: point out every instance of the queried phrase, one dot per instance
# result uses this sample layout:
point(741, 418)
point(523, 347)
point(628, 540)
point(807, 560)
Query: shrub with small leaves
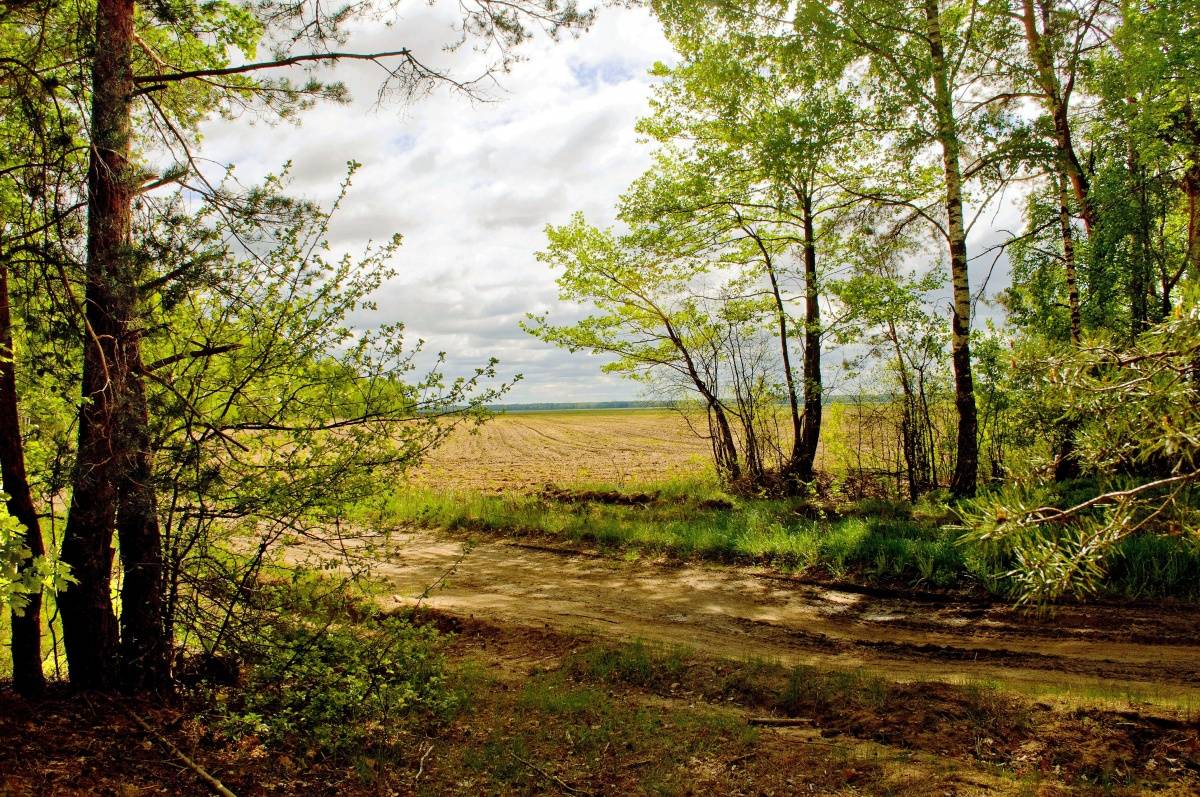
point(341, 691)
point(21, 576)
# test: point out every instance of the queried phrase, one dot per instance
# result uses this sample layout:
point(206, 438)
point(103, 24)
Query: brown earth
point(525, 451)
point(1145, 657)
point(850, 732)
point(546, 717)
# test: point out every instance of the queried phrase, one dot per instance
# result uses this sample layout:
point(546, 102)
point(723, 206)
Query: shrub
point(341, 691)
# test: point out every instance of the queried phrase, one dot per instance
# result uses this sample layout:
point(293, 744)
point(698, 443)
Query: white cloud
point(471, 185)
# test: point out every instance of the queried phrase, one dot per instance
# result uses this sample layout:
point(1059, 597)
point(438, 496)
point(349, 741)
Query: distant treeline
point(581, 405)
point(548, 406)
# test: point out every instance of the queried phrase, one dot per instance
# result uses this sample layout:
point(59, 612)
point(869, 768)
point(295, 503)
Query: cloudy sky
point(471, 185)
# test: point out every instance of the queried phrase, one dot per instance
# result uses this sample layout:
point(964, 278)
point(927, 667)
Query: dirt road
point(1111, 655)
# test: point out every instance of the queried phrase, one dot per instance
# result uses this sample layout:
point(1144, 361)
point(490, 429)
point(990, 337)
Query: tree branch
point(1051, 514)
point(175, 77)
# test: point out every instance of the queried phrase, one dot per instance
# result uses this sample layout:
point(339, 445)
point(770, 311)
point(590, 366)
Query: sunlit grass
point(704, 523)
point(693, 517)
point(1108, 695)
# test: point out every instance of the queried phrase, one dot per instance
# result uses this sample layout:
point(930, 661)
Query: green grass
point(555, 724)
point(825, 696)
point(685, 522)
point(1150, 567)
point(872, 541)
point(635, 663)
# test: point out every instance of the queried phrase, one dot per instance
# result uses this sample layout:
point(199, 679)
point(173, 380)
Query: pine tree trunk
point(28, 679)
point(89, 626)
point(966, 467)
point(145, 637)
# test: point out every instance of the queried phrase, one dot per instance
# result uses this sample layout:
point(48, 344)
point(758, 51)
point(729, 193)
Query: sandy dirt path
point(1093, 654)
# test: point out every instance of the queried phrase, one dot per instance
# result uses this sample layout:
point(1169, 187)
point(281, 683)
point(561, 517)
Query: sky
point(471, 185)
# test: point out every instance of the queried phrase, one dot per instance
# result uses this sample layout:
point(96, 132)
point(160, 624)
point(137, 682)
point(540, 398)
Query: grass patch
point(870, 540)
point(1149, 566)
point(558, 731)
point(635, 663)
point(786, 533)
point(924, 715)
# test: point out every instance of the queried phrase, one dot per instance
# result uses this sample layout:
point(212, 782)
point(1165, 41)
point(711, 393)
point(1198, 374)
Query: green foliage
point(1135, 414)
point(269, 413)
point(645, 318)
point(272, 415)
point(1038, 297)
point(21, 575)
point(344, 692)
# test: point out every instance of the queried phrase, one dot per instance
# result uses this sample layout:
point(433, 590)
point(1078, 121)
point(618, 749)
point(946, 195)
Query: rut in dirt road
point(1152, 653)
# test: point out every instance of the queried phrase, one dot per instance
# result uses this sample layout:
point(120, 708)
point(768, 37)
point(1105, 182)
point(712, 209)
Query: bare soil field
point(526, 451)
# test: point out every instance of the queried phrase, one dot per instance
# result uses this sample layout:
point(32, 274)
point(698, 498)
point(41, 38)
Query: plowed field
point(527, 451)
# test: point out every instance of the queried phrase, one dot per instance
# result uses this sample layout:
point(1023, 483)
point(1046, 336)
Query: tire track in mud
point(1081, 652)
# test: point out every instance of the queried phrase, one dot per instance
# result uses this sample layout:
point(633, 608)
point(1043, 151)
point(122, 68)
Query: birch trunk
point(963, 481)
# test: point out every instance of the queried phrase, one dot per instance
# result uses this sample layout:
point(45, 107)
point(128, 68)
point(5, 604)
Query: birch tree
point(767, 140)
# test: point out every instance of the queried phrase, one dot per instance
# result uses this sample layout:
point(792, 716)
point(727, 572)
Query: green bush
point(342, 691)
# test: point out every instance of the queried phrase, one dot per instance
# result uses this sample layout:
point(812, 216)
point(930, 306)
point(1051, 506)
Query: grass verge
point(869, 541)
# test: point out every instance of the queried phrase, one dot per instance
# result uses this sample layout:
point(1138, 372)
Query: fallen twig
point(217, 786)
point(562, 784)
point(779, 722)
point(823, 743)
point(421, 764)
